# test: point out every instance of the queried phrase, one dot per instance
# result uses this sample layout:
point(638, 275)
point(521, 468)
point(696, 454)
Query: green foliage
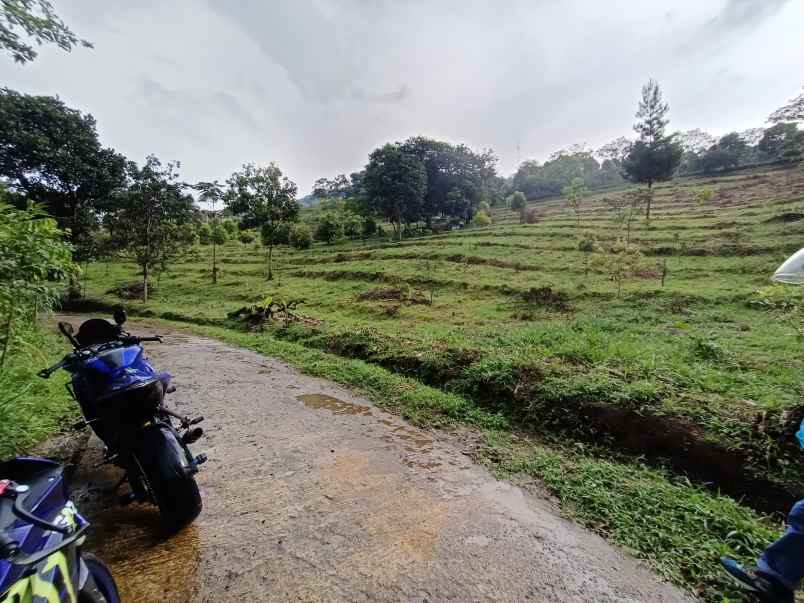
point(396, 183)
point(188, 232)
point(37, 20)
point(482, 219)
point(35, 263)
point(539, 181)
point(724, 155)
point(703, 194)
point(574, 193)
point(352, 224)
point(783, 141)
point(328, 228)
point(220, 234)
point(264, 198)
point(205, 234)
point(300, 237)
point(75, 187)
point(246, 237)
point(149, 218)
point(618, 261)
point(484, 207)
point(230, 226)
point(32, 408)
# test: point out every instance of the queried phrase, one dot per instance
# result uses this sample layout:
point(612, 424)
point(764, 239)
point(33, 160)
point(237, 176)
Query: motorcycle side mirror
point(119, 316)
point(66, 329)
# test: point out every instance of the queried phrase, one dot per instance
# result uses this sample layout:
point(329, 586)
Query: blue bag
point(800, 434)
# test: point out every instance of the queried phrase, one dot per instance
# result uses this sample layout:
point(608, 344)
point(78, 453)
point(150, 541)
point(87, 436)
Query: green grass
point(32, 408)
point(714, 351)
point(678, 529)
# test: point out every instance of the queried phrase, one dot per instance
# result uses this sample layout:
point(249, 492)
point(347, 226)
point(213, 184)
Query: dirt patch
point(131, 290)
point(393, 294)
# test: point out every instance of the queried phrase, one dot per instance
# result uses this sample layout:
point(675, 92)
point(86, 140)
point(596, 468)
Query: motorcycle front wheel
point(100, 586)
point(166, 473)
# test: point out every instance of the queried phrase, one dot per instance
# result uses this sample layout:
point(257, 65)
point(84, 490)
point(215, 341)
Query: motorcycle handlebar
point(127, 340)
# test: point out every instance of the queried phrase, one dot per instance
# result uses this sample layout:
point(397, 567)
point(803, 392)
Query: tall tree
point(149, 217)
point(395, 182)
point(615, 151)
point(655, 157)
point(264, 198)
point(212, 193)
point(34, 19)
point(726, 154)
point(50, 153)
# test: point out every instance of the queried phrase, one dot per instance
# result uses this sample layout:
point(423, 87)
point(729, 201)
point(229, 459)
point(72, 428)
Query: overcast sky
point(315, 85)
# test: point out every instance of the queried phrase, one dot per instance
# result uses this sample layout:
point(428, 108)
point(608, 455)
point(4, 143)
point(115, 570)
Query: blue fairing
point(123, 368)
point(49, 499)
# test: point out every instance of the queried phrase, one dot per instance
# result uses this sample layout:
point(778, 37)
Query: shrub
point(230, 226)
point(205, 234)
point(482, 219)
point(369, 227)
point(247, 236)
point(328, 228)
point(300, 237)
point(530, 216)
point(219, 234)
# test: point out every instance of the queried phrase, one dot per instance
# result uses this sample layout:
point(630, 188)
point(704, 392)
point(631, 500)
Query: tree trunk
point(650, 199)
point(145, 283)
point(270, 254)
point(214, 262)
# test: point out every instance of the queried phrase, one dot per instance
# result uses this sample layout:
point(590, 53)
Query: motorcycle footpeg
point(192, 435)
point(195, 421)
point(200, 459)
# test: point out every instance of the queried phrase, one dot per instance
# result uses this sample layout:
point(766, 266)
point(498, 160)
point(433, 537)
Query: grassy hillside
point(700, 376)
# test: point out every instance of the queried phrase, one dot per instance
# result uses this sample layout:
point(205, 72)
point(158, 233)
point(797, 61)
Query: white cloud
point(316, 85)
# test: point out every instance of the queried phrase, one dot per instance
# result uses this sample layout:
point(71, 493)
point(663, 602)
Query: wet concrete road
point(313, 494)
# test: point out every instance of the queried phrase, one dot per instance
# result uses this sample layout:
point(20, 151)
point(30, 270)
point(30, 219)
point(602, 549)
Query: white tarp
point(792, 271)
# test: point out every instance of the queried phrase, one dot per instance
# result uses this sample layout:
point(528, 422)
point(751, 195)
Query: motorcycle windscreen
point(111, 361)
point(792, 271)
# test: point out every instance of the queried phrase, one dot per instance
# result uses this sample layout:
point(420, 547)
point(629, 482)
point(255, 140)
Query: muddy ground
point(311, 493)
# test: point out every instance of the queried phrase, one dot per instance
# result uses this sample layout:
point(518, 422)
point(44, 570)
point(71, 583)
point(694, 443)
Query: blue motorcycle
point(41, 538)
point(122, 399)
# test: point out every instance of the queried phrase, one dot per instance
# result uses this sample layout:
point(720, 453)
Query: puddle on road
point(334, 405)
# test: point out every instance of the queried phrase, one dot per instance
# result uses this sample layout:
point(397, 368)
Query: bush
point(369, 227)
point(530, 216)
point(328, 228)
point(220, 234)
point(205, 234)
point(281, 234)
point(230, 226)
point(300, 237)
point(482, 219)
point(484, 207)
point(247, 236)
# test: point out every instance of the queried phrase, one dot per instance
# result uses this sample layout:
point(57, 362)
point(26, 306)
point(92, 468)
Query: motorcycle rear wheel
point(164, 472)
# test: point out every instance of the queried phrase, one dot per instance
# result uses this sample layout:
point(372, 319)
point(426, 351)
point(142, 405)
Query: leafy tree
point(212, 193)
point(338, 187)
point(726, 154)
point(792, 111)
point(34, 19)
point(574, 193)
point(518, 203)
point(149, 218)
point(246, 237)
point(695, 141)
point(781, 142)
point(264, 198)
point(395, 182)
point(189, 232)
point(352, 224)
point(300, 237)
point(627, 207)
point(35, 262)
point(205, 234)
point(458, 178)
point(328, 228)
point(618, 262)
point(615, 151)
point(51, 153)
point(230, 226)
point(482, 219)
point(654, 157)
point(219, 234)
point(369, 227)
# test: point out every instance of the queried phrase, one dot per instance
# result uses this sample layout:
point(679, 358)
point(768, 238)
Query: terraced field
point(695, 368)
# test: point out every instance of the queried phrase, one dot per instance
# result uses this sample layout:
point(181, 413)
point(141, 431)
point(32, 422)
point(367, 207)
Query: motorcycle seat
point(95, 331)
